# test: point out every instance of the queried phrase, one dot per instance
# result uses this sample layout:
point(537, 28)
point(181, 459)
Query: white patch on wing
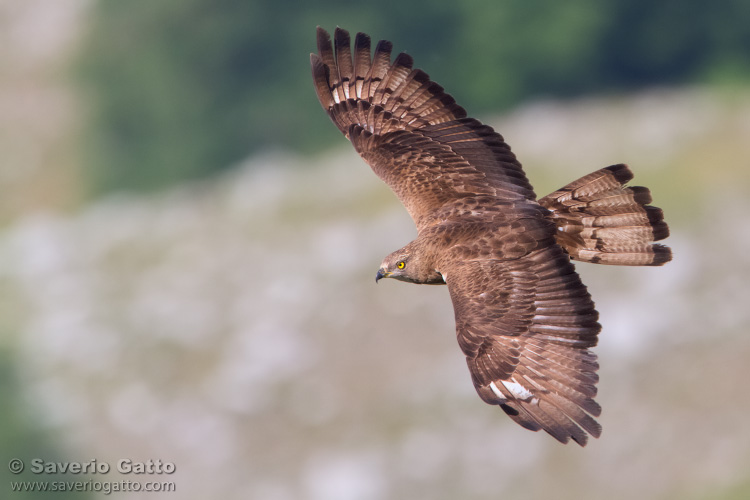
point(518, 391)
point(445, 278)
point(497, 391)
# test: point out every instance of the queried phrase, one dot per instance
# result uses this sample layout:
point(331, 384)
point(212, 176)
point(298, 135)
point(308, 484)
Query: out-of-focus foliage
point(22, 439)
point(181, 88)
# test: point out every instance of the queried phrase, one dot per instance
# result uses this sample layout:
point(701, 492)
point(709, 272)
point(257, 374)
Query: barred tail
point(600, 220)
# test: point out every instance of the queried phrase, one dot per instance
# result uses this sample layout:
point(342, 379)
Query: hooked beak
point(381, 274)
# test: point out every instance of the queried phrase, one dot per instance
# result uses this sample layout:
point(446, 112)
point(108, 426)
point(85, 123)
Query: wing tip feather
point(391, 86)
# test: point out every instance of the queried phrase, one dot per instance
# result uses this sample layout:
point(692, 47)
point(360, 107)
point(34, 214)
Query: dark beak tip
point(378, 276)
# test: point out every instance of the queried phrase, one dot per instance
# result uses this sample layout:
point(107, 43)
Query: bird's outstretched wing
point(413, 134)
point(526, 326)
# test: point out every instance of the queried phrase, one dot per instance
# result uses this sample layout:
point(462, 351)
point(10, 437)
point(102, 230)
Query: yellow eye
point(401, 265)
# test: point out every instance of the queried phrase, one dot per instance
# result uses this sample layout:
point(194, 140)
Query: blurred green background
point(187, 247)
point(183, 88)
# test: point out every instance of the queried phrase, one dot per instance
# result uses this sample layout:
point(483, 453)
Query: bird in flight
point(524, 319)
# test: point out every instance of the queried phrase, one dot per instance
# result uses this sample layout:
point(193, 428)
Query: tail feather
point(600, 220)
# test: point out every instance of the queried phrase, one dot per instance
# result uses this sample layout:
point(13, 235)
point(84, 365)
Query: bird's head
point(395, 266)
point(407, 265)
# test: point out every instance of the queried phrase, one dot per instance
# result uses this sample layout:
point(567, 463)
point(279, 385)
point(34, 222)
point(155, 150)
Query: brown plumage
point(524, 320)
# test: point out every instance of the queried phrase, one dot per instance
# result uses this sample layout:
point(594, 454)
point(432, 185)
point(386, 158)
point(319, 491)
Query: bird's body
point(524, 320)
